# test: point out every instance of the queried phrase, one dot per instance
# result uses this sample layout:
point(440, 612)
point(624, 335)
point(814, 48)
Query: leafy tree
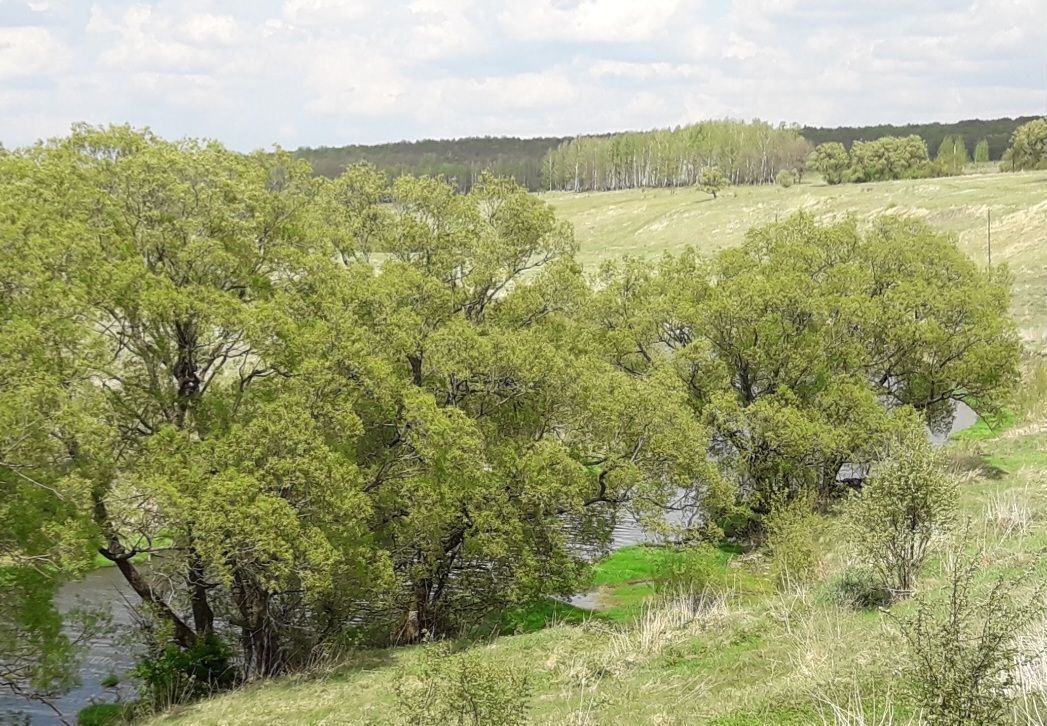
point(186, 438)
point(996, 132)
point(789, 345)
point(785, 178)
point(490, 427)
point(746, 153)
point(981, 152)
point(952, 154)
point(831, 160)
point(711, 180)
point(887, 158)
point(1029, 146)
point(310, 439)
point(909, 500)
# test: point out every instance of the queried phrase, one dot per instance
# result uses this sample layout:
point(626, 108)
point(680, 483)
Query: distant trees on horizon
point(538, 163)
point(745, 152)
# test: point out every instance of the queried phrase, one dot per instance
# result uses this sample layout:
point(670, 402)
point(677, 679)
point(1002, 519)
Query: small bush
point(859, 588)
point(173, 675)
point(792, 540)
point(963, 657)
point(464, 689)
point(785, 178)
point(695, 568)
point(102, 714)
point(908, 501)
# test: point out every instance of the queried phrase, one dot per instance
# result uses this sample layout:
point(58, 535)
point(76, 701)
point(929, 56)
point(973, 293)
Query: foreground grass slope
point(650, 222)
point(756, 653)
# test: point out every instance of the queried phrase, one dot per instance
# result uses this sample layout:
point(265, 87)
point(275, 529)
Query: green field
point(650, 222)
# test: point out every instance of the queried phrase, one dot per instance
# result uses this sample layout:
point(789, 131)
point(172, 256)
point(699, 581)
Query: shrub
point(102, 714)
point(963, 657)
point(694, 568)
point(785, 178)
point(909, 499)
point(792, 540)
point(464, 689)
point(859, 588)
point(172, 675)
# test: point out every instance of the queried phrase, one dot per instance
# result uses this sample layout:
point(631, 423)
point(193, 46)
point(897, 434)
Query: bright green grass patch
point(987, 427)
point(540, 614)
point(647, 562)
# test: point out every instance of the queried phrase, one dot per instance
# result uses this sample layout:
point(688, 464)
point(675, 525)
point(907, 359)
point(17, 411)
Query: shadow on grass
point(978, 465)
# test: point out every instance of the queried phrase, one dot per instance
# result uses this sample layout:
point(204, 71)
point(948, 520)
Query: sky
point(254, 73)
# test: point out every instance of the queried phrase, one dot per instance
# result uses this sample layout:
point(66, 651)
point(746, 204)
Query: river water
point(105, 588)
point(102, 589)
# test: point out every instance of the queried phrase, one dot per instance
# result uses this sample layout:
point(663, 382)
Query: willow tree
point(1029, 146)
point(45, 536)
point(492, 448)
point(189, 443)
point(831, 160)
point(790, 345)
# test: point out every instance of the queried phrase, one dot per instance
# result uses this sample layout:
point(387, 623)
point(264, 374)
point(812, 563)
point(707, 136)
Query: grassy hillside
point(757, 655)
point(650, 222)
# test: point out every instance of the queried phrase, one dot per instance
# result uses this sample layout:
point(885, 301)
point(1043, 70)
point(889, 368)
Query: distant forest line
point(529, 161)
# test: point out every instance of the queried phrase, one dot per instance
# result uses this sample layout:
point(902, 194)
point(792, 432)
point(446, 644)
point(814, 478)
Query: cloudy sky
point(329, 72)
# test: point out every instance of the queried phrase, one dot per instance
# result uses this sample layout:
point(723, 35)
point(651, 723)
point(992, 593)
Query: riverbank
point(754, 654)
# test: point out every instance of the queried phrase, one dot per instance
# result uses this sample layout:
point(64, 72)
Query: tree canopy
point(1028, 146)
point(388, 409)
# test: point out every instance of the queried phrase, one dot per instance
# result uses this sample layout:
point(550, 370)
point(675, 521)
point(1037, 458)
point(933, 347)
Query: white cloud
point(308, 72)
point(325, 12)
point(588, 21)
point(29, 52)
point(208, 29)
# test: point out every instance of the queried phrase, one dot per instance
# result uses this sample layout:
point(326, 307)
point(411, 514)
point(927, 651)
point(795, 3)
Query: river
point(105, 588)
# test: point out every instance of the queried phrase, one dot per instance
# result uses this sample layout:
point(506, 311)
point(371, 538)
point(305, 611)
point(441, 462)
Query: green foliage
point(464, 689)
point(859, 587)
point(711, 180)
point(785, 178)
point(37, 656)
point(909, 500)
point(792, 530)
point(996, 132)
point(889, 157)
point(461, 161)
point(789, 345)
point(981, 152)
point(230, 380)
point(746, 153)
point(1029, 146)
point(952, 154)
point(696, 568)
point(831, 161)
point(102, 714)
point(391, 407)
point(171, 675)
point(963, 653)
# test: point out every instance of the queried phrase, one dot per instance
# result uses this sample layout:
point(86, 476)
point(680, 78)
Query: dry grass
point(650, 222)
point(1011, 511)
point(859, 710)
